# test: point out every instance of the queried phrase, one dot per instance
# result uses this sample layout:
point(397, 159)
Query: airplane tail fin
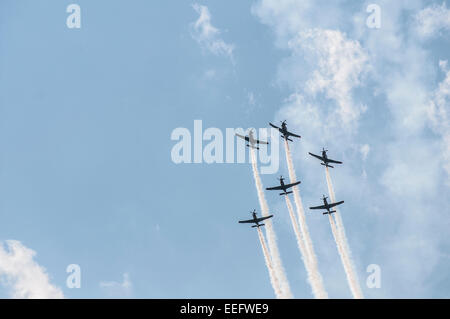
point(285, 193)
point(327, 165)
point(331, 212)
point(258, 225)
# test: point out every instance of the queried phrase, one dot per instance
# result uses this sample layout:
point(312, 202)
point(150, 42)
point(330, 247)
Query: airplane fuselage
point(251, 139)
point(255, 219)
point(325, 203)
point(283, 185)
point(284, 131)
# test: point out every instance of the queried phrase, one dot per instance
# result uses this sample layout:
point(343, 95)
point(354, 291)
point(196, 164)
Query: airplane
point(255, 220)
point(324, 158)
point(251, 140)
point(283, 186)
point(284, 132)
point(327, 206)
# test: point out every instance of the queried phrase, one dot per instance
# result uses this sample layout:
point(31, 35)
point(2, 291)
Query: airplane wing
point(333, 161)
point(247, 221)
point(293, 184)
point(274, 188)
point(335, 204)
point(263, 218)
point(294, 135)
point(274, 126)
point(243, 137)
point(319, 207)
point(261, 142)
point(316, 156)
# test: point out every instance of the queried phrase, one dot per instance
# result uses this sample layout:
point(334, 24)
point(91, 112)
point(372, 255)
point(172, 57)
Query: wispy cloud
point(439, 114)
point(339, 64)
point(364, 149)
point(208, 36)
point(24, 276)
point(118, 289)
point(251, 99)
point(432, 20)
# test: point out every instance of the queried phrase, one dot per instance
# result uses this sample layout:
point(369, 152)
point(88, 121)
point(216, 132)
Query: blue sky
point(86, 175)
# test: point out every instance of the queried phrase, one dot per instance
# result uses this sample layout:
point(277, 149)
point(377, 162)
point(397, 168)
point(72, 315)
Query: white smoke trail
point(321, 292)
point(298, 235)
point(273, 278)
point(314, 281)
point(341, 252)
point(271, 237)
point(343, 248)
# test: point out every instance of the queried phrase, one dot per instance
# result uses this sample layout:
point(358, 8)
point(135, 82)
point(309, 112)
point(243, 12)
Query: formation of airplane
point(251, 140)
point(327, 206)
point(255, 220)
point(284, 131)
point(285, 134)
point(283, 186)
point(324, 158)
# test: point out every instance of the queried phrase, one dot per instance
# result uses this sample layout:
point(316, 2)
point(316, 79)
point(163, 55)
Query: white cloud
point(432, 20)
point(439, 115)
point(365, 149)
point(25, 277)
point(324, 63)
point(287, 17)
point(339, 65)
point(118, 289)
point(208, 36)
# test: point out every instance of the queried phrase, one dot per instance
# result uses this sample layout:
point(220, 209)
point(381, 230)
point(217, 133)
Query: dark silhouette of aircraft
point(283, 186)
point(251, 140)
point(284, 132)
point(327, 206)
point(324, 158)
point(255, 219)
